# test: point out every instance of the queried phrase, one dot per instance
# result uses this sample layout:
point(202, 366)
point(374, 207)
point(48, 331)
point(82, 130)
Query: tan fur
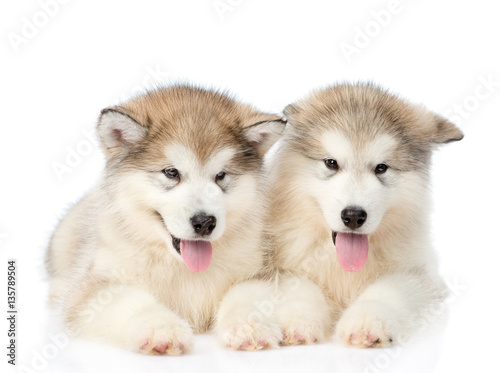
point(112, 267)
point(401, 261)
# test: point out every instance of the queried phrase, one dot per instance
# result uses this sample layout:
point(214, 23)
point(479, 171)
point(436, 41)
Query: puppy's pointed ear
point(443, 131)
point(290, 111)
point(263, 130)
point(118, 131)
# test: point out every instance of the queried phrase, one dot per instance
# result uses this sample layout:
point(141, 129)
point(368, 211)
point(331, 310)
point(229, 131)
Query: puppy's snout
point(203, 224)
point(353, 217)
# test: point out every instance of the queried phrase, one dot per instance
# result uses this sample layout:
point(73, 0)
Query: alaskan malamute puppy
point(351, 210)
point(144, 259)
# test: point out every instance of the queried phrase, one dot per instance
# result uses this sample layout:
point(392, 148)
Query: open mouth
point(176, 243)
point(196, 254)
point(352, 249)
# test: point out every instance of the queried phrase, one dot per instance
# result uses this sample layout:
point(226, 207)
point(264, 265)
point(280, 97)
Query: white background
point(61, 65)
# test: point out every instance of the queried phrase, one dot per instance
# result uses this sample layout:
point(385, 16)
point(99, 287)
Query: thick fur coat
point(350, 212)
point(145, 258)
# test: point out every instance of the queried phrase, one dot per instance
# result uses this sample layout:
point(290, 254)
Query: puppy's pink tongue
point(196, 254)
point(352, 250)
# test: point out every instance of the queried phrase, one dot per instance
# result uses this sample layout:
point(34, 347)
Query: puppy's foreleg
point(129, 318)
point(304, 315)
point(388, 311)
point(246, 317)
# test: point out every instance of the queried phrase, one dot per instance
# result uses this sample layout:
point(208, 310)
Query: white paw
point(159, 333)
point(367, 324)
point(249, 334)
point(301, 332)
point(246, 319)
point(303, 315)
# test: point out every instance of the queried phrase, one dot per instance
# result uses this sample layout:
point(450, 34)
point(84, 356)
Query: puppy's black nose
point(353, 217)
point(203, 224)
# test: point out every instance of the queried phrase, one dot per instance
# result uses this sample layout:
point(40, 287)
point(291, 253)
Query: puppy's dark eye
point(220, 176)
point(331, 164)
point(171, 173)
point(381, 168)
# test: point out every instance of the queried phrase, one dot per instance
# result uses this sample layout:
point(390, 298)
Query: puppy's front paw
point(303, 314)
point(246, 319)
point(366, 325)
point(249, 335)
point(303, 323)
point(160, 333)
point(299, 333)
